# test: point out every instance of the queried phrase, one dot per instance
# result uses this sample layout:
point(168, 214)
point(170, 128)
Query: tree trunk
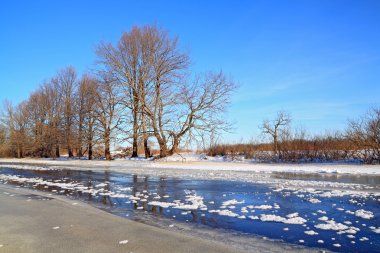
point(107, 152)
point(135, 125)
point(163, 151)
point(145, 137)
point(146, 149)
point(90, 140)
point(90, 151)
point(19, 152)
point(70, 151)
point(163, 148)
point(57, 154)
point(275, 144)
point(80, 152)
point(134, 145)
point(174, 148)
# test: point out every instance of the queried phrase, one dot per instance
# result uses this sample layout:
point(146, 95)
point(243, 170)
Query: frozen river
point(334, 212)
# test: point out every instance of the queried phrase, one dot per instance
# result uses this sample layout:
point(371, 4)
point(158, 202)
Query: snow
point(331, 225)
point(263, 207)
point(314, 201)
point(295, 220)
point(194, 202)
point(350, 231)
point(311, 232)
point(364, 214)
point(323, 218)
point(232, 202)
point(202, 162)
point(271, 217)
point(276, 218)
point(292, 215)
point(161, 204)
point(227, 213)
point(100, 185)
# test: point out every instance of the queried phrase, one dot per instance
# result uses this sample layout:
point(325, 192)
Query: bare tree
point(66, 83)
point(123, 64)
point(143, 59)
point(3, 140)
point(275, 126)
point(364, 134)
point(194, 108)
point(109, 111)
point(17, 121)
point(87, 109)
point(152, 71)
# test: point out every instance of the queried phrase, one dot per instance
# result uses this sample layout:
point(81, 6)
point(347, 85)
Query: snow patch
point(311, 232)
point(364, 214)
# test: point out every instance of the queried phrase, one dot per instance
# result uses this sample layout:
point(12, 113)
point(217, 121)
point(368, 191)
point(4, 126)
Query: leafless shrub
point(364, 136)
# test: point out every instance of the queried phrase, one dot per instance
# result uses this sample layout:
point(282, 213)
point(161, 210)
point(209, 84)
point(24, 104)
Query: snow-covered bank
point(197, 162)
point(269, 168)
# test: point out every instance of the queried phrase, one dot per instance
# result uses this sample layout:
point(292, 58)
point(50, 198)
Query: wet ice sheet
point(292, 211)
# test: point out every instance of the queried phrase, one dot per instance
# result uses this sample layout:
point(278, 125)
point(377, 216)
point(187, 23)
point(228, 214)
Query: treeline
point(359, 142)
point(142, 92)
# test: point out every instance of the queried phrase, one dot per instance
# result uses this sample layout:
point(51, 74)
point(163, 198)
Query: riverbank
point(319, 176)
point(181, 163)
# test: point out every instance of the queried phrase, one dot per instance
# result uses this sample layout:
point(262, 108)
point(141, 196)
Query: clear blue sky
point(320, 60)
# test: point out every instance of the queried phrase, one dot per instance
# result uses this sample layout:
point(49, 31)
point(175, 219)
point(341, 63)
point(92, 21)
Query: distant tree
point(275, 126)
point(3, 140)
point(37, 113)
point(364, 134)
point(17, 122)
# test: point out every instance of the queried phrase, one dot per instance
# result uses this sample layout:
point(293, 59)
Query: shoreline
point(197, 166)
point(324, 177)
